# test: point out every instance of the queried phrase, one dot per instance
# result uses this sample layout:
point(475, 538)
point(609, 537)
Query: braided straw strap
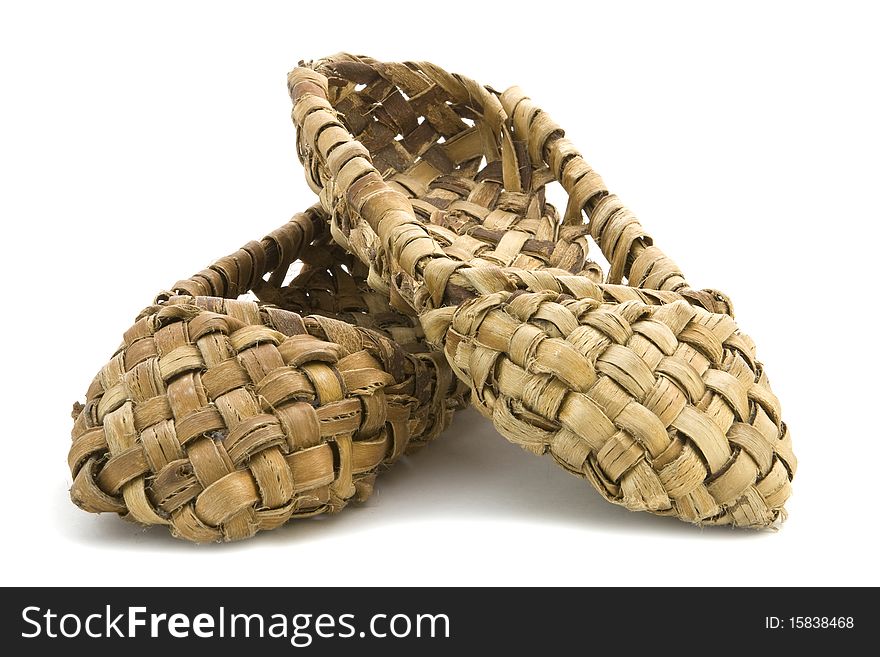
point(221, 417)
point(648, 389)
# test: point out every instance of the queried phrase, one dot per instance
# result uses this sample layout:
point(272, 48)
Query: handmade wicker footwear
point(648, 389)
point(220, 417)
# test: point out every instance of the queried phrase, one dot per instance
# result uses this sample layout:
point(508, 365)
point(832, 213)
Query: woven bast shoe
point(641, 383)
point(220, 416)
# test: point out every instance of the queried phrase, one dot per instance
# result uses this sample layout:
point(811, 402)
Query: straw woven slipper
point(634, 380)
point(220, 416)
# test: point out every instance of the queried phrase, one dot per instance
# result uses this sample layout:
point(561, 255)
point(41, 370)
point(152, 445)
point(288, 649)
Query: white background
point(139, 142)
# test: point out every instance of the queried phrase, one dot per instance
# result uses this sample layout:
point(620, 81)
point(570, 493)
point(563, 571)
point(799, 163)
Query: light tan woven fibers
point(221, 417)
point(642, 384)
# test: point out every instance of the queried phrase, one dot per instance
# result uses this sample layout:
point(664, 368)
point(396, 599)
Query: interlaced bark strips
point(640, 383)
point(219, 417)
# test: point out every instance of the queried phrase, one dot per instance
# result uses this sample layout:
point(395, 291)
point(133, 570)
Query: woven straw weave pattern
point(641, 383)
point(221, 417)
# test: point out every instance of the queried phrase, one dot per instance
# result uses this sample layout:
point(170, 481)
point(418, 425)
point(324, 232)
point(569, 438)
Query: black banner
point(434, 621)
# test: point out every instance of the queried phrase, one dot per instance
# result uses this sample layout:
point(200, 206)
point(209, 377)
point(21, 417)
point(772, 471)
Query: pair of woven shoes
point(432, 271)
